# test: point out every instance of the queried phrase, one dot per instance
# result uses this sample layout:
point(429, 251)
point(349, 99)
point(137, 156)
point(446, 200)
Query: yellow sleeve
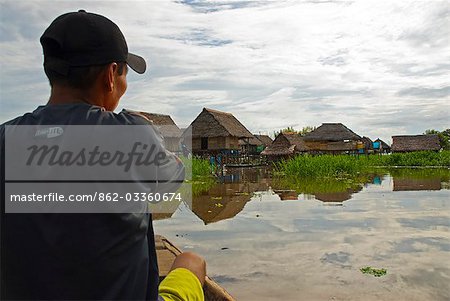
point(181, 285)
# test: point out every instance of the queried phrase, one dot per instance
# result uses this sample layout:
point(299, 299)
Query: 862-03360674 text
point(151, 197)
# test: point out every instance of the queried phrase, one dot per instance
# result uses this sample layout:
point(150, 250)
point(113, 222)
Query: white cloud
point(380, 67)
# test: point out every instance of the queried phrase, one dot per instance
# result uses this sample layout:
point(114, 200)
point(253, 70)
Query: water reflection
point(227, 198)
point(334, 196)
point(330, 191)
point(340, 190)
point(285, 249)
point(420, 179)
point(228, 195)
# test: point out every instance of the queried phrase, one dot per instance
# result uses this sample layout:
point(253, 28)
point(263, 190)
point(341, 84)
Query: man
point(96, 256)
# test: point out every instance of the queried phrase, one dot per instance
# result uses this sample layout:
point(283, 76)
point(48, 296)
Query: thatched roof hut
point(251, 145)
point(255, 145)
point(331, 132)
point(214, 130)
point(285, 144)
point(167, 127)
point(213, 123)
point(165, 124)
point(332, 138)
point(412, 143)
point(266, 140)
point(384, 147)
point(251, 141)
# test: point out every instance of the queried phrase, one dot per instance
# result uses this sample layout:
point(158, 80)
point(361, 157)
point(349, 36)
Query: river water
point(265, 240)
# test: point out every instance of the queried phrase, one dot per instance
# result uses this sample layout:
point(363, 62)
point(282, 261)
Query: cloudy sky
point(380, 67)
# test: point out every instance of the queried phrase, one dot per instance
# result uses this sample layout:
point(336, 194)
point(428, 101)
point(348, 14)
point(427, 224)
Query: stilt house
point(414, 143)
point(215, 131)
point(333, 138)
point(169, 130)
point(285, 145)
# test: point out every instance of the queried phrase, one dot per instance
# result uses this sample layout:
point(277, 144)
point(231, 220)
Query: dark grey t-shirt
point(80, 256)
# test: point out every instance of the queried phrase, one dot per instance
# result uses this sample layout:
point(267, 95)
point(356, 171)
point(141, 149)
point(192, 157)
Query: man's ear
point(110, 76)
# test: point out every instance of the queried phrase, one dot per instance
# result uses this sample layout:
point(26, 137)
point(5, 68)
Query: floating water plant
point(374, 272)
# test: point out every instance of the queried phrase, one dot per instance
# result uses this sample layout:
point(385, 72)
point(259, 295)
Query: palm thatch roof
point(251, 141)
point(266, 140)
point(213, 123)
point(411, 143)
point(285, 144)
point(331, 132)
point(164, 123)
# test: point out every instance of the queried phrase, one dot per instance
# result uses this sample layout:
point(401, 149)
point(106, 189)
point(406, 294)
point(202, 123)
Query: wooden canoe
point(166, 253)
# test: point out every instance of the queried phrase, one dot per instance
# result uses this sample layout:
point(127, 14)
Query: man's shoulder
point(129, 117)
point(79, 114)
point(14, 121)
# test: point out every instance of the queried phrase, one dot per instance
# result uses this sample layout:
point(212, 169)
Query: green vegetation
point(197, 167)
point(424, 158)
point(372, 271)
point(351, 167)
point(320, 166)
point(305, 130)
point(318, 185)
point(202, 185)
point(202, 179)
point(200, 168)
point(423, 173)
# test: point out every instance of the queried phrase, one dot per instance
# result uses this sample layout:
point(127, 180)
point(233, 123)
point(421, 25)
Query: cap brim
point(136, 63)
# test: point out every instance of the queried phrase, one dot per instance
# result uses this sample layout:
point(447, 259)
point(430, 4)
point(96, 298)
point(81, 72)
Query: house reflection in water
point(287, 195)
point(406, 184)
point(226, 199)
point(334, 197)
point(328, 198)
point(420, 179)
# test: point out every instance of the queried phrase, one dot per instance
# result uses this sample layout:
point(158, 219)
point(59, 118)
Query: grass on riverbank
point(200, 168)
point(347, 166)
point(313, 186)
point(421, 159)
point(201, 177)
point(196, 168)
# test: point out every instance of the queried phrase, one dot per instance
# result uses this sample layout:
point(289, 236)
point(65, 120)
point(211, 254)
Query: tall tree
point(305, 130)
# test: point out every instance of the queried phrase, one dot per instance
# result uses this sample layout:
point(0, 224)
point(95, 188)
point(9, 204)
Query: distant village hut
point(251, 145)
point(380, 146)
point(367, 144)
point(333, 138)
point(285, 145)
point(265, 139)
point(169, 130)
point(255, 145)
point(414, 143)
point(215, 131)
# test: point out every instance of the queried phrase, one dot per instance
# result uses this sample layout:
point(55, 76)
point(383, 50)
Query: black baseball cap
point(79, 39)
